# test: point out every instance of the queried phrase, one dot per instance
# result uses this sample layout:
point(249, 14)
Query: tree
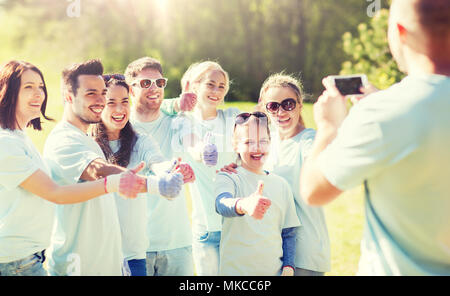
point(370, 52)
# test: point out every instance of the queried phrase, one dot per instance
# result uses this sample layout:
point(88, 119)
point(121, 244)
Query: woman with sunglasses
point(27, 193)
point(259, 224)
point(125, 147)
point(281, 96)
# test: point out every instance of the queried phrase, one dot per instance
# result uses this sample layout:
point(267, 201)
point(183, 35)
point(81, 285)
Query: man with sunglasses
point(168, 225)
point(395, 142)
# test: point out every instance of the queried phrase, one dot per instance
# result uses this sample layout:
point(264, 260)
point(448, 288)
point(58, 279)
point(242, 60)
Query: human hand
point(255, 205)
point(330, 109)
point(369, 89)
point(128, 184)
point(209, 154)
point(187, 172)
point(230, 168)
point(287, 271)
point(188, 99)
point(168, 186)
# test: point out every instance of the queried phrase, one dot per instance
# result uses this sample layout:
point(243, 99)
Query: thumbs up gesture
point(187, 99)
point(209, 154)
point(255, 205)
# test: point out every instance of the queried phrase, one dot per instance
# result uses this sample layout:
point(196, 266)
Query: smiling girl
point(123, 146)
point(281, 97)
point(259, 224)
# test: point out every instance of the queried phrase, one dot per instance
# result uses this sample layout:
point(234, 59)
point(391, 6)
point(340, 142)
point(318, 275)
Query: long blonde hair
point(197, 71)
point(283, 80)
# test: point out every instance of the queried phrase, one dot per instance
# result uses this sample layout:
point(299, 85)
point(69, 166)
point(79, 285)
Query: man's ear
point(68, 96)
point(402, 32)
point(132, 94)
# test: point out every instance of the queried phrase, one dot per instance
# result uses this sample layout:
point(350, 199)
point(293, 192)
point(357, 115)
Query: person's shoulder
point(231, 112)
point(10, 139)
point(307, 134)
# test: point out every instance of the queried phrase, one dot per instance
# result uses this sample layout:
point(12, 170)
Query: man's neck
point(146, 115)
point(422, 64)
point(75, 121)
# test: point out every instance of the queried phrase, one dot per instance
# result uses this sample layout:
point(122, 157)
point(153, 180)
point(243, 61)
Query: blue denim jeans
point(28, 266)
point(137, 267)
point(176, 262)
point(205, 250)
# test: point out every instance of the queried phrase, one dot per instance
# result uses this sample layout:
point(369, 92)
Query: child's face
point(251, 142)
point(212, 89)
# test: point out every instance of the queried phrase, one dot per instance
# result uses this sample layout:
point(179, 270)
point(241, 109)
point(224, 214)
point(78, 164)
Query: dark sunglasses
point(287, 105)
point(147, 83)
point(108, 77)
point(244, 117)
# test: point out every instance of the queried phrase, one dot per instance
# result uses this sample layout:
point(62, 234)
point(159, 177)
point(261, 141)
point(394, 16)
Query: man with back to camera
point(395, 142)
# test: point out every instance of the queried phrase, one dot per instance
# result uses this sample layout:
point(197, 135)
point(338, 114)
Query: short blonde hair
point(197, 71)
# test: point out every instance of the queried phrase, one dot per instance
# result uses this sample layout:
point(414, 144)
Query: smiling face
point(30, 98)
point(147, 99)
point(288, 122)
point(88, 103)
point(251, 141)
point(211, 90)
point(116, 113)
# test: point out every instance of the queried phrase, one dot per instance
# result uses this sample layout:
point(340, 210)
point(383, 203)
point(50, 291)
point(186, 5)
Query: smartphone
point(350, 84)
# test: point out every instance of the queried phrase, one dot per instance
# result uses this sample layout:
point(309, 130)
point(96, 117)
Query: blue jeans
point(137, 267)
point(205, 250)
point(306, 272)
point(28, 266)
point(176, 262)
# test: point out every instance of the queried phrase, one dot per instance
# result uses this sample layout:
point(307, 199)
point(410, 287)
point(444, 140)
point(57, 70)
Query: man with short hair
point(168, 225)
point(395, 142)
point(86, 238)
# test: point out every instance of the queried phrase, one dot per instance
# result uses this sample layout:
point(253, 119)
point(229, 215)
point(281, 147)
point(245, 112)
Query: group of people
point(107, 197)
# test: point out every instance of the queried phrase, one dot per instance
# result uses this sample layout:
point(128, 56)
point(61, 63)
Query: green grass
point(344, 215)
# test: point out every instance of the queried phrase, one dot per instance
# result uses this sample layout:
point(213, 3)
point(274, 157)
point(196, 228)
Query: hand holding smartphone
point(350, 84)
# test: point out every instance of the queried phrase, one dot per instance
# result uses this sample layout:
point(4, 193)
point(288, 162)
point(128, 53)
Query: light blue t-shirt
point(168, 225)
point(133, 212)
point(250, 247)
point(26, 220)
point(286, 158)
point(204, 216)
point(86, 239)
point(397, 142)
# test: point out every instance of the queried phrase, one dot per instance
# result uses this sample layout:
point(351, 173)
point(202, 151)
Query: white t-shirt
point(397, 142)
point(285, 159)
point(250, 247)
point(86, 239)
point(25, 219)
point(133, 212)
point(168, 225)
point(204, 216)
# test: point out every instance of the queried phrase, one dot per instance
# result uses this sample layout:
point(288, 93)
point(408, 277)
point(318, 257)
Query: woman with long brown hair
point(27, 193)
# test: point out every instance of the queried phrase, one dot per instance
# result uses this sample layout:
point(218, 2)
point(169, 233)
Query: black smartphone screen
point(349, 86)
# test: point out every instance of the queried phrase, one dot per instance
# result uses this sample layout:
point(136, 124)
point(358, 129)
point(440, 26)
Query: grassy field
point(344, 215)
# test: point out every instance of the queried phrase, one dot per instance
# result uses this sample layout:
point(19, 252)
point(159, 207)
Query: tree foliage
point(370, 53)
point(251, 39)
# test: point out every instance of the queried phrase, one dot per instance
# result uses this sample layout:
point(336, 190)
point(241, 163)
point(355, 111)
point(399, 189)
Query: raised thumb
point(260, 187)
point(138, 168)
